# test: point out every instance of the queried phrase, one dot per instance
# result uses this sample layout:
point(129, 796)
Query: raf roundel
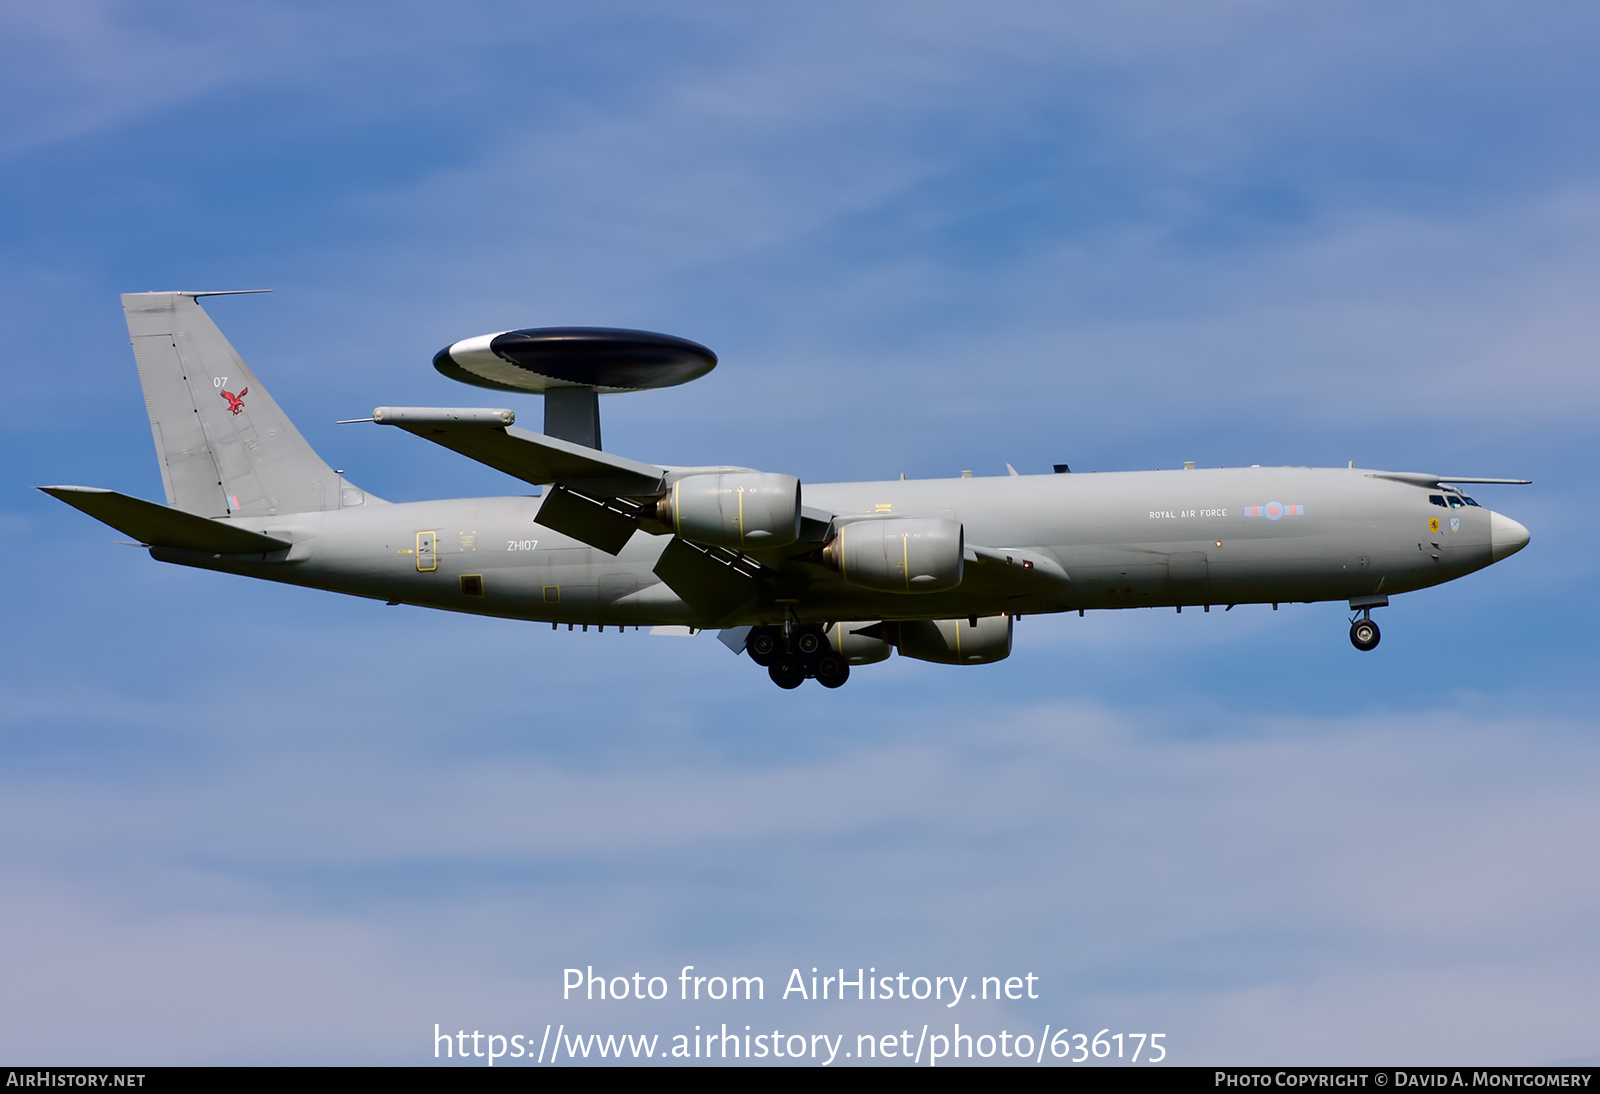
point(606, 360)
point(1274, 510)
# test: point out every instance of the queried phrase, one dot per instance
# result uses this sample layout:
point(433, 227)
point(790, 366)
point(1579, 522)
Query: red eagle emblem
point(236, 402)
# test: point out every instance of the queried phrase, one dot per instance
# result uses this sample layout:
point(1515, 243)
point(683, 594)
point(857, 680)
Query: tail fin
point(226, 449)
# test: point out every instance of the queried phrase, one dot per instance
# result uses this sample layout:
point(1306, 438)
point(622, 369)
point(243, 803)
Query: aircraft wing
point(489, 437)
point(592, 497)
point(1419, 478)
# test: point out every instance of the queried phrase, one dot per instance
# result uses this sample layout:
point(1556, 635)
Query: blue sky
point(242, 823)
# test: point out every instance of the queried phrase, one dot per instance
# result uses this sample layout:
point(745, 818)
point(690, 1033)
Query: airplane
point(808, 581)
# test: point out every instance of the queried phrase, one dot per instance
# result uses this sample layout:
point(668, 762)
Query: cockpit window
point(1469, 501)
point(1455, 502)
point(1437, 499)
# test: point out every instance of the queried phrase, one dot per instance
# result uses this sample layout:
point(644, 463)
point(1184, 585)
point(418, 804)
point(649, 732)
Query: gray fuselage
point(1124, 540)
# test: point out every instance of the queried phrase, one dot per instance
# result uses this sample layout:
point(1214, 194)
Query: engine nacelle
point(899, 554)
point(857, 648)
point(734, 509)
point(957, 641)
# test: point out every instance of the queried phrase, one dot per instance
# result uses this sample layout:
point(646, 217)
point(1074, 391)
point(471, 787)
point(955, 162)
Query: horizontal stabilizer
point(160, 526)
point(482, 435)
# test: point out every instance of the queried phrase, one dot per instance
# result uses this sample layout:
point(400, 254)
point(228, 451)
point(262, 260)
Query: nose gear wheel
point(1364, 635)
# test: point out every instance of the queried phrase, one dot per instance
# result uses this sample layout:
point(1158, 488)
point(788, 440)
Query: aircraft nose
point(1506, 536)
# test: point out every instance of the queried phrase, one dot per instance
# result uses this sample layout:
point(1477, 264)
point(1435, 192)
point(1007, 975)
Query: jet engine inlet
point(734, 509)
point(899, 554)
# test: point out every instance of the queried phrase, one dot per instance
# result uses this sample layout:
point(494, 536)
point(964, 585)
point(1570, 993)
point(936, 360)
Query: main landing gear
point(791, 653)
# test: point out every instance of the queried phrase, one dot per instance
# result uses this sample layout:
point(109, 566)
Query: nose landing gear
point(1364, 634)
point(790, 654)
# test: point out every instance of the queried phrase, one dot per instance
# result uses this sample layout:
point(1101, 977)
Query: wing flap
point(160, 526)
point(583, 518)
point(704, 581)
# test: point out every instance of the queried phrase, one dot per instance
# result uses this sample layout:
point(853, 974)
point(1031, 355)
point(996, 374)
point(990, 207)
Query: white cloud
point(1255, 885)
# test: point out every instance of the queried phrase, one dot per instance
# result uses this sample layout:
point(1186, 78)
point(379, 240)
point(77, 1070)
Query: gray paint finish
point(1127, 539)
point(1033, 543)
point(225, 447)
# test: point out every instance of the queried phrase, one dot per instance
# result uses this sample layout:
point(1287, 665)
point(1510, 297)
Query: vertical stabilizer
point(226, 448)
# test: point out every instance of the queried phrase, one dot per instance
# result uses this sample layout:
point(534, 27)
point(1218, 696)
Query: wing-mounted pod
point(860, 643)
point(899, 554)
point(734, 509)
point(978, 641)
